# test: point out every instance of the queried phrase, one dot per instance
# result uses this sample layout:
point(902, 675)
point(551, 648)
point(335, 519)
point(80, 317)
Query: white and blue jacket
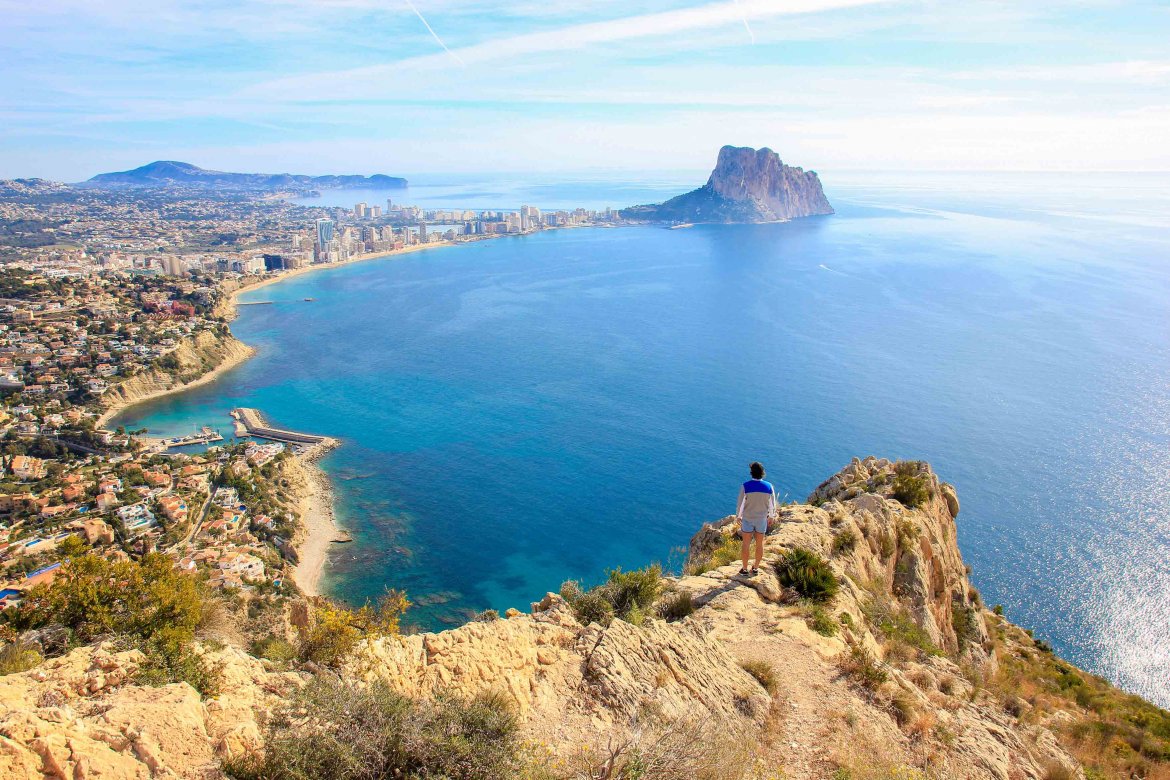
point(757, 500)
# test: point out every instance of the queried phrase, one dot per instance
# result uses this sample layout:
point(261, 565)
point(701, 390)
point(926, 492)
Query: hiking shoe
point(743, 572)
point(755, 571)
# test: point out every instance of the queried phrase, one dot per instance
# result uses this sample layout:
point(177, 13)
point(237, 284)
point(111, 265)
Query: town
point(104, 287)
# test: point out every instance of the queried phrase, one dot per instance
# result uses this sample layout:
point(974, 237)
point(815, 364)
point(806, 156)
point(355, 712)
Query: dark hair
point(757, 470)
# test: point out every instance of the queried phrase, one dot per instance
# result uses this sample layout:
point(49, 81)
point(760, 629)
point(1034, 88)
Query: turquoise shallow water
point(527, 410)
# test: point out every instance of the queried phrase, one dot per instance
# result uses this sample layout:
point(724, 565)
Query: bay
point(527, 410)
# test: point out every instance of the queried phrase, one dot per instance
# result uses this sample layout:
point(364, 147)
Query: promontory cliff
point(747, 185)
point(860, 652)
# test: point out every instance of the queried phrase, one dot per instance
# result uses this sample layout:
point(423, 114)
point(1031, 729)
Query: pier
point(205, 436)
point(254, 423)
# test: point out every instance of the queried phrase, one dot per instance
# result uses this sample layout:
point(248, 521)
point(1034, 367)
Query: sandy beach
point(318, 521)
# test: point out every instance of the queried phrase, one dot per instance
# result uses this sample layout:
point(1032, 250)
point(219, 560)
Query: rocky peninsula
point(861, 651)
point(747, 185)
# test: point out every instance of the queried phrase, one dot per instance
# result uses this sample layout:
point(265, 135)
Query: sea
point(524, 411)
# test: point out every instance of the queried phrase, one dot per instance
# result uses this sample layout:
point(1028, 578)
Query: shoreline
point(315, 498)
point(318, 516)
point(203, 379)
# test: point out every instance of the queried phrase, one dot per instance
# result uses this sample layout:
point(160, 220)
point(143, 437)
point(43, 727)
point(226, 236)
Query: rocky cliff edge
point(887, 676)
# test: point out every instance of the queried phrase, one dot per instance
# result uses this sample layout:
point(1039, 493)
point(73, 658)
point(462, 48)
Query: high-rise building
point(375, 212)
point(324, 233)
point(422, 231)
point(359, 211)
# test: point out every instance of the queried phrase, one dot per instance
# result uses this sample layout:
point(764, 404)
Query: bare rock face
point(747, 185)
point(81, 716)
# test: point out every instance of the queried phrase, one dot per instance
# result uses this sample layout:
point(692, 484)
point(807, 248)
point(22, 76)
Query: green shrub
point(589, 606)
point(633, 590)
point(908, 533)
point(627, 595)
point(728, 552)
point(335, 631)
point(892, 623)
point(149, 604)
point(18, 657)
point(910, 489)
point(808, 574)
point(764, 673)
point(844, 542)
point(275, 649)
point(487, 616)
point(964, 618)
point(676, 605)
point(819, 620)
point(335, 729)
point(886, 544)
point(862, 668)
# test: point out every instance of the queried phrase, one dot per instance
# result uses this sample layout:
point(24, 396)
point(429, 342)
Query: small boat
point(310, 299)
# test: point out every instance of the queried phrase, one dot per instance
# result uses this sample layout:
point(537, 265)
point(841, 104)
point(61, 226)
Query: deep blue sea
point(527, 410)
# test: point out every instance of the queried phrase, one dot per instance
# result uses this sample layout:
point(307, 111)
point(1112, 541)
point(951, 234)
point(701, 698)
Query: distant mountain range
point(747, 185)
point(165, 172)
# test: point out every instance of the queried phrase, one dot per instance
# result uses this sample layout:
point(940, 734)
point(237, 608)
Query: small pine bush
point(726, 553)
point(335, 630)
point(274, 649)
point(844, 542)
point(633, 590)
point(821, 621)
point(861, 667)
point(335, 729)
point(627, 595)
point(910, 489)
point(808, 574)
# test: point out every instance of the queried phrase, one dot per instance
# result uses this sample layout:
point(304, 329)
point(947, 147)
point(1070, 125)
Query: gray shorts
point(753, 526)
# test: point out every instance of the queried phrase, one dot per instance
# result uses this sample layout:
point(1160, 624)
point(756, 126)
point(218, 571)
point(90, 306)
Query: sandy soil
point(318, 521)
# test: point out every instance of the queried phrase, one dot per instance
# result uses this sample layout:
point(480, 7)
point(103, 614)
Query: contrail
point(439, 40)
point(746, 26)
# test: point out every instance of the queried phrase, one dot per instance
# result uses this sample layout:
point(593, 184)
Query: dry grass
point(663, 751)
point(1115, 735)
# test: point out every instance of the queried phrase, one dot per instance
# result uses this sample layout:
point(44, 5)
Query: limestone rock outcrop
point(81, 716)
point(747, 185)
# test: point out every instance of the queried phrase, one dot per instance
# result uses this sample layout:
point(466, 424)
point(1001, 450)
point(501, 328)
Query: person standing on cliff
point(756, 504)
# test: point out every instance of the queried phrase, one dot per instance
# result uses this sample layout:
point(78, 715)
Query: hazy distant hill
point(170, 172)
point(747, 185)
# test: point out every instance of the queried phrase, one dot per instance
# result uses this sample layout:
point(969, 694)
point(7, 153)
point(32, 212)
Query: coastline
point(318, 515)
point(314, 492)
point(207, 378)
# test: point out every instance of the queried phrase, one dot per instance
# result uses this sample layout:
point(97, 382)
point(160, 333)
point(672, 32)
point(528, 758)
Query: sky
point(407, 86)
